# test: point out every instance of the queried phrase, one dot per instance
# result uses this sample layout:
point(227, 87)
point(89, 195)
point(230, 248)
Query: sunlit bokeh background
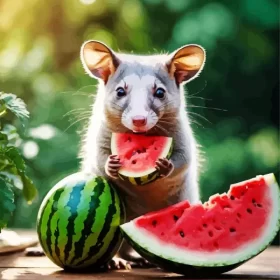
point(233, 104)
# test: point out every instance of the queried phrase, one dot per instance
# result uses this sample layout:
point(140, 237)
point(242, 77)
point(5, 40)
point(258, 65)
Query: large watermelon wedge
point(213, 237)
point(138, 154)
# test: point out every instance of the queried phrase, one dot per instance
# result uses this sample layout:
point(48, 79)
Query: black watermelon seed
point(249, 210)
point(175, 218)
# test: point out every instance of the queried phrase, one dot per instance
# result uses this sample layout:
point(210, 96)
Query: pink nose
point(139, 121)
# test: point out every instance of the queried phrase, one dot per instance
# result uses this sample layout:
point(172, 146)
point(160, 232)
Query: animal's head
point(141, 91)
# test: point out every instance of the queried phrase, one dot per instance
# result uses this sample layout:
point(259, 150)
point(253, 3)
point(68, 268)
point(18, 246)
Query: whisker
point(74, 111)
point(170, 111)
point(79, 92)
point(172, 117)
point(198, 97)
point(165, 104)
point(167, 113)
point(82, 94)
point(161, 121)
point(205, 84)
point(195, 122)
point(85, 93)
point(77, 113)
point(84, 118)
point(77, 119)
point(211, 108)
point(117, 109)
point(160, 127)
point(117, 105)
point(115, 118)
point(196, 114)
point(155, 127)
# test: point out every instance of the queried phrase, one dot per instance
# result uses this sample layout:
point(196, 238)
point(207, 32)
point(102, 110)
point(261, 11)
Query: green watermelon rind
point(135, 237)
point(112, 245)
point(179, 268)
point(147, 176)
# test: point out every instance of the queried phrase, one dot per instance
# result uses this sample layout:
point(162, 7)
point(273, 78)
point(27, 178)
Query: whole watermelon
point(78, 222)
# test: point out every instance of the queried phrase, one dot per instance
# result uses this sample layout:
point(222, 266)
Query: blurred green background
point(234, 104)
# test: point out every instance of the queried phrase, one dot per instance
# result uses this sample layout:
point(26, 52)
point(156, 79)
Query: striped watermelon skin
point(78, 222)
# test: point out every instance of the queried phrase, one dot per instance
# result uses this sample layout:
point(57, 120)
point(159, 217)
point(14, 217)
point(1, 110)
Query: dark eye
point(159, 93)
point(120, 92)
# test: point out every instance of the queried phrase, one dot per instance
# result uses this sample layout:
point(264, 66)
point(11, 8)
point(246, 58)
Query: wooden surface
point(18, 266)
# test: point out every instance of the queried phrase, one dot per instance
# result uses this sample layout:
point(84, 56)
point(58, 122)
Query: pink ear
point(186, 63)
point(99, 60)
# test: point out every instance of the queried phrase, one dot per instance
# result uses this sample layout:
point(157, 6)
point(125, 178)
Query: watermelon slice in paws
point(138, 155)
point(213, 237)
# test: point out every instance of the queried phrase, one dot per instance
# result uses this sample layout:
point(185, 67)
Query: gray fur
point(182, 183)
point(96, 147)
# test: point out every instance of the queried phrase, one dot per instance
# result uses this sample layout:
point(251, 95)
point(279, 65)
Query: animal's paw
point(112, 166)
point(118, 263)
point(164, 166)
point(141, 263)
point(134, 260)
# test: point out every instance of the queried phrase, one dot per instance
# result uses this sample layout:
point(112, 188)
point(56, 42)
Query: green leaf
point(14, 104)
point(5, 162)
point(3, 139)
point(11, 132)
point(29, 190)
point(15, 157)
point(14, 164)
point(14, 179)
point(7, 205)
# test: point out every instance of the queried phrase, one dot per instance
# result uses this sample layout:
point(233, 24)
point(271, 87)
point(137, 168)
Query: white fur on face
point(140, 92)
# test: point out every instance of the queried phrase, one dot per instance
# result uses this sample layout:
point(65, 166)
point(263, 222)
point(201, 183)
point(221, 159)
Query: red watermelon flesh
point(230, 227)
point(225, 222)
point(138, 153)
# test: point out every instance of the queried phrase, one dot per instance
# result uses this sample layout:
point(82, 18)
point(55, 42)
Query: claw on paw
point(119, 263)
point(112, 166)
point(164, 166)
point(141, 263)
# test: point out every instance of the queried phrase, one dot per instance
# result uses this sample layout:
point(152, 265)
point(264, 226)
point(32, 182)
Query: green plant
point(13, 175)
